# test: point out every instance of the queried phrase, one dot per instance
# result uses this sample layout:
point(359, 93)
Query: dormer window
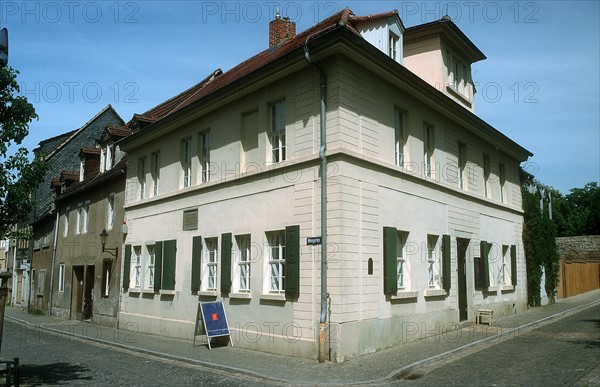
point(106, 159)
point(458, 75)
point(81, 168)
point(393, 48)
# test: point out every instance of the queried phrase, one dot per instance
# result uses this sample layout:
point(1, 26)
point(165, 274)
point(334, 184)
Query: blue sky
point(540, 84)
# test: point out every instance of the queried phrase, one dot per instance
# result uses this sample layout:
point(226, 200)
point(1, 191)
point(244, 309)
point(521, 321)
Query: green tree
point(578, 212)
point(18, 174)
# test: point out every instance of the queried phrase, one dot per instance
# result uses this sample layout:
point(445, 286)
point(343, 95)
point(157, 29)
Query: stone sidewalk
point(427, 346)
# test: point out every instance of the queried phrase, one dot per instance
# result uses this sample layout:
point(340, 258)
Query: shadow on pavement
point(57, 373)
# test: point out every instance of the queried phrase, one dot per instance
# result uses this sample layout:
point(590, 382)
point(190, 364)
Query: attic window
point(81, 168)
point(393, 46)
point(106, 158)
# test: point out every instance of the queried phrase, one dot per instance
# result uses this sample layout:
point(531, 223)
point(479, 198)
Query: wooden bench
point(488, 313)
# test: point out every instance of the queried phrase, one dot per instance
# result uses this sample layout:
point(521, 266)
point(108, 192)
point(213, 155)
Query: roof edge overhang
point(336, 41)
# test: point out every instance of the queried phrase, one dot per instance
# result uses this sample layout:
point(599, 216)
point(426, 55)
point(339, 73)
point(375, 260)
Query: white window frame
point(204, 155)
point(276, 261)
point(243, 261)
point(102, 159)
point(66, 223)
point(502, 179)
point(433, 256)
point(487, 192)
point(155, 173)
point(142, 177)
point(428, 149)
point(210, 263)
point(79, 218)
point(106, 268)
point(108, 160)
point(277, 134)
point(81, 168)
point(504, 277)
point(86, 217)
point(186, 162)
point(393, 46)
point(136, 266)
point(149, 267)
point(400, 137)
point(462, 165)
point(110, 211)
point(61, 277)
point(402, 263)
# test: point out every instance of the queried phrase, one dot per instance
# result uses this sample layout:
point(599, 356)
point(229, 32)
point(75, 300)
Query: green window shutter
point(292, 261)
point(158, 253)
point(485, 252)
point(513, 264)
point(168, 273)
point(126, 266)
point(196, 262)
point(446, 263)
point(226, 247)
point(390, 261)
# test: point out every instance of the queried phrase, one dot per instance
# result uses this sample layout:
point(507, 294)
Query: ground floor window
point(276, 256)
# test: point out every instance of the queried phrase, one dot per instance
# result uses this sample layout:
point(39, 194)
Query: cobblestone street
point(566, 352)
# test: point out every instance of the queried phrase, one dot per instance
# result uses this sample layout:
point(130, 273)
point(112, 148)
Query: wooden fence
point(578, 277)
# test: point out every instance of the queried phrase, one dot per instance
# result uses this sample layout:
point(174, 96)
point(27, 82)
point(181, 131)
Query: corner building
point(424, 205)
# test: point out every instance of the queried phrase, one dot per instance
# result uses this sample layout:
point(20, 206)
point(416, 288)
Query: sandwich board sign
point(214, 321)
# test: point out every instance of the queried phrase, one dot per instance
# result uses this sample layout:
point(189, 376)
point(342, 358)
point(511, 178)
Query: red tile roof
point(118, 131)
point(218, 79)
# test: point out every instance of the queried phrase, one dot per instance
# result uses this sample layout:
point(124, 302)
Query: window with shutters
point(41, 282)
point(403, 265)
point(149, 268)
point(210, 265)
point(276, 259)
point(136, 267)
point(481, 267)
point(243, 258)
point(433, 262)
point(504, 277)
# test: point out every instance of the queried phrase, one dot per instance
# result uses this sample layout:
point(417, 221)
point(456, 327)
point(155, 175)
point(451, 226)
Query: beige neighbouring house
point(424, 213)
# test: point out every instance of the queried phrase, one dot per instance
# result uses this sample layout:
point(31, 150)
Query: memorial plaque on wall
point(190, 219)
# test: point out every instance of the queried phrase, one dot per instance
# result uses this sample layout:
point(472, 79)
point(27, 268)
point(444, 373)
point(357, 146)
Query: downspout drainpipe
point(323, 157)
point(52, 264)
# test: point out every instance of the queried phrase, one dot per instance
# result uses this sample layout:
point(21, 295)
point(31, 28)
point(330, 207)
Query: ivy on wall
point(539, 240)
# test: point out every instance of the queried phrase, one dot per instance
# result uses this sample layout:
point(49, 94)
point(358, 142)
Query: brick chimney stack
point(281, 29)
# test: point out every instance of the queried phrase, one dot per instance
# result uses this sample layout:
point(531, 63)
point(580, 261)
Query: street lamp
point(103, 237)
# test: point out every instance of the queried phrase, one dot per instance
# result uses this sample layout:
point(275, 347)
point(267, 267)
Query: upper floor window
point(142, 176)
point(400, 139)
point(205, 156)
point(106, 158)
point(487, 192)
point(110, 212)
point(428, 148)
point(66, 226)
point(81, 169)
point(186, 162)
point(278, 132)
point(393, 46)
point(502, 178)
point(155, 173)
point(462, 165)
point(457, 74)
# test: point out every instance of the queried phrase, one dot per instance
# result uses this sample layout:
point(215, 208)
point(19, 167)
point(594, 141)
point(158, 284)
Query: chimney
point(281, 29)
